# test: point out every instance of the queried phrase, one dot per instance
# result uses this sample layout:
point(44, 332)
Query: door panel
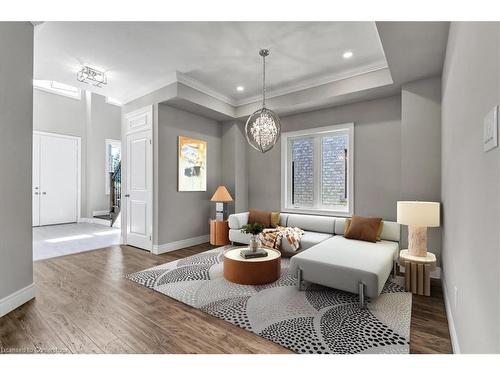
point(36, 180)
point(58, 180)
point(139, 185)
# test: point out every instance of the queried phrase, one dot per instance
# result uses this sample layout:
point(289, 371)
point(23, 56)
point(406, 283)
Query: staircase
point(115, 193)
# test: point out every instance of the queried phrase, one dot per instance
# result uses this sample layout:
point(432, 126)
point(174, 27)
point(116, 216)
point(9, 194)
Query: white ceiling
point(140, 57)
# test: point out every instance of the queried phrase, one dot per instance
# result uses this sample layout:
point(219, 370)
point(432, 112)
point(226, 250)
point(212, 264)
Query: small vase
point(254, 243)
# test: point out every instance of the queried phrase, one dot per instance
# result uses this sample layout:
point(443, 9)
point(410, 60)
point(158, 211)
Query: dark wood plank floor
point(85, 305)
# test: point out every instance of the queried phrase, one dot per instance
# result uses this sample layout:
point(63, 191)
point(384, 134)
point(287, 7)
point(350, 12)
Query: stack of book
point(249, 254)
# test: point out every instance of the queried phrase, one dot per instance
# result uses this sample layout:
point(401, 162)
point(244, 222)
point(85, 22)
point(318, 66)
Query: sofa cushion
point(235, 235)
point(323, 224)
point(308, 240)
point(283, 219)
point(236, 221)
point(342, 263)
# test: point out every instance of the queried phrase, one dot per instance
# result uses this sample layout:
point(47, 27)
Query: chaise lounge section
point(327, 258)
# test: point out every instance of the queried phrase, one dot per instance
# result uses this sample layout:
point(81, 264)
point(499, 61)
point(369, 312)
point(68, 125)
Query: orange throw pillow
point(363, 228)
point(261, 217)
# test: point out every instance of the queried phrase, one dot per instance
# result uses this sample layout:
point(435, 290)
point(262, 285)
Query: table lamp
point(418, 216)
point(221, 196)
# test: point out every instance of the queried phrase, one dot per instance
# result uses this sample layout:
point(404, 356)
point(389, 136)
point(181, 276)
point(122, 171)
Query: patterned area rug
point(316, 320)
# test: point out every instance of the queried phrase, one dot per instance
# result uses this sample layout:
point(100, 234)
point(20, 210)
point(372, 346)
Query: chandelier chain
point(264, 81)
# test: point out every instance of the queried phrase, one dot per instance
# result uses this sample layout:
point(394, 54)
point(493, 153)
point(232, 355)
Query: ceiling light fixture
point(263, 127)
point(240, 88)
point(347, 54)
point(92, 76)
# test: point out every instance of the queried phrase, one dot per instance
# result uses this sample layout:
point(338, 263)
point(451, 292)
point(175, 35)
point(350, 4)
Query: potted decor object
point(253, 229)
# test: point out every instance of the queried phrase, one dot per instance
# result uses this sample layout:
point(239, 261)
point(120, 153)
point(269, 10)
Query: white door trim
point(78, 165)
point(135, 122)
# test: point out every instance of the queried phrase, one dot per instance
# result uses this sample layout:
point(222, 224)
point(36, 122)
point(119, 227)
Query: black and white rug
point(315, 320)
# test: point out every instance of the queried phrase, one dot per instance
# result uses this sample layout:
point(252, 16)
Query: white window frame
point(108, 142)
point(286, 182)
point(51, 86)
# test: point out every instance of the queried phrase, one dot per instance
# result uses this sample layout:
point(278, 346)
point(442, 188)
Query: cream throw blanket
point(272, 237)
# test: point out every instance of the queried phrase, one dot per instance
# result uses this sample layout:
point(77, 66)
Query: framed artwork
point(192, 164)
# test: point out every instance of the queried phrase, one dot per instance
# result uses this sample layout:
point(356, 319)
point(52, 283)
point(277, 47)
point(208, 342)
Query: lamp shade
point(221, 195)
point(422, 214)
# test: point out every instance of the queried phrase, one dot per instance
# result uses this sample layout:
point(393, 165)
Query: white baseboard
point(93, 220)
point(436, 274)
point(16, 299)
point(171, 246)
point(101, 212)
point(451, 323)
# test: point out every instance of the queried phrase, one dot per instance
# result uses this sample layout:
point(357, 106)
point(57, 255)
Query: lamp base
point(417, 241)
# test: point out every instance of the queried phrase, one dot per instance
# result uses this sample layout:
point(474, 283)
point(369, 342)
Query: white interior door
point(139, 197)
point(59, 179)
point(36, 180)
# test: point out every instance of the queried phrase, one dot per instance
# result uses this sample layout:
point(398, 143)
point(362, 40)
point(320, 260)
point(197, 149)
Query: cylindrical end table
point(417, 272)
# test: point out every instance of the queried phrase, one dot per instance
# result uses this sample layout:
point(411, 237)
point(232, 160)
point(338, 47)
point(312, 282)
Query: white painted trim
point(101, 212)
point(37, 84)
point(176, 245)
point(312, 83)
point(285, 156)
point(451, 323)
point(200, 86)
point(93, 220)
point(16, 299)
point(78, 165)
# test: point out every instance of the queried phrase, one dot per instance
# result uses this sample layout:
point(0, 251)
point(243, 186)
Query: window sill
point(316, 211)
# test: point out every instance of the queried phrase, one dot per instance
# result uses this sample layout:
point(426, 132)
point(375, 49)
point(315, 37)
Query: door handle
point(127, 195)
point(44, 193)
point(36, 193)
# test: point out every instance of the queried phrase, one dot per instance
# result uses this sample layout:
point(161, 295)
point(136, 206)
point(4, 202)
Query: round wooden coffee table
point(253, 271)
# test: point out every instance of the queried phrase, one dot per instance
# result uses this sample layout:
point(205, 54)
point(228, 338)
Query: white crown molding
point(200, 86)
point(182, 78)
point(311, 83)
point(16, 299)
point(171, 246)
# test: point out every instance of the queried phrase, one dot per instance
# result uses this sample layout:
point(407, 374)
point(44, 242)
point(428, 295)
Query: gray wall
point(421, 148)
point(183, 215)
point(16, 125)
point(471, 185)
point(234, 164)
point(377, 156)
point(104, 124)
point(91, 119)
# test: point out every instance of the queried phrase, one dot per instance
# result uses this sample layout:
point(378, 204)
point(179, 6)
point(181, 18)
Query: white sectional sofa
point(327, 258)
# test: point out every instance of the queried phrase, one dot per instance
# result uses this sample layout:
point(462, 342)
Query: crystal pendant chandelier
point(263, 127)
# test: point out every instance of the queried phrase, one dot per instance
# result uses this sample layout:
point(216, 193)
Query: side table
point(219, 232)
point(417, 272)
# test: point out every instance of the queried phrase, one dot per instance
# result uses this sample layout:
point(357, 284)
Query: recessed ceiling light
point(240, 88)
point(347, 54)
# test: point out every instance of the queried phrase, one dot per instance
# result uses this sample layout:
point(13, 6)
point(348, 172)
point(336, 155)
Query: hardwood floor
point(85, 305)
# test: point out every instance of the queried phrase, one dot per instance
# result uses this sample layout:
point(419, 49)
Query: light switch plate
point(490, 132)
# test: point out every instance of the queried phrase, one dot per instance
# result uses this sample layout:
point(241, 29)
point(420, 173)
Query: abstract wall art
point(192, 164)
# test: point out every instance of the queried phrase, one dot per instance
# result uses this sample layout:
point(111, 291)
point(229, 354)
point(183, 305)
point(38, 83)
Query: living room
point(311, 187)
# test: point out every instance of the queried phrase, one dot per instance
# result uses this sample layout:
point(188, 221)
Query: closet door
point(58, 179)
point(36, 180)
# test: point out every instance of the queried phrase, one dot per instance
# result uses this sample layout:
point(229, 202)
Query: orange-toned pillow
point(261, 217)
point(379, 232)
point(363, 228)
